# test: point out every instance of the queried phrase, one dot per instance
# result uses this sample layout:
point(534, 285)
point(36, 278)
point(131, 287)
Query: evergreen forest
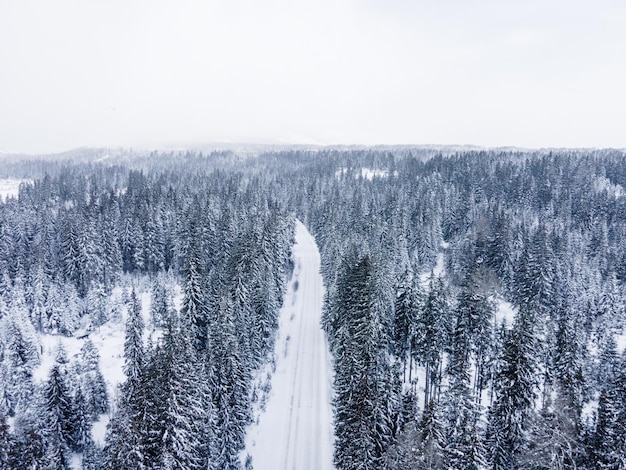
point(474, 304)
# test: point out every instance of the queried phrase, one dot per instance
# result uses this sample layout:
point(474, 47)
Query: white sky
point(148, 73)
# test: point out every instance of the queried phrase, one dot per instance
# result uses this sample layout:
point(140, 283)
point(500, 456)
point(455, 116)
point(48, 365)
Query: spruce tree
point(464, 448)
point(609, 442)
point(361, 426)
point(194, 307)
point(81, 425)
point(229, 389)
point(405, 325)
point(514, 390)
point(431, 439)
point(180, 414)
point(6, 442)
point(60, 419)
point(434, 329)
point(133, 342)
point(92, 381)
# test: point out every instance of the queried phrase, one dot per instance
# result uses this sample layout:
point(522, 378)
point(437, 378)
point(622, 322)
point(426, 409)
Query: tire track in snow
point(295, 394)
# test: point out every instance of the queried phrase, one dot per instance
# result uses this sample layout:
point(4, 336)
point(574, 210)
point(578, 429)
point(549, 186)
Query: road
point(295, 432)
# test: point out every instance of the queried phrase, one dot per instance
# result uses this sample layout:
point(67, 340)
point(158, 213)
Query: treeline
point(66, 241)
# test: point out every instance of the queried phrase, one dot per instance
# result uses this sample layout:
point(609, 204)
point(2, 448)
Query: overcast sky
point(152, 73)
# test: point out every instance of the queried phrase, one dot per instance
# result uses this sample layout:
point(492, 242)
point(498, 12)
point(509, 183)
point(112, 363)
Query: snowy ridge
point(295, 429)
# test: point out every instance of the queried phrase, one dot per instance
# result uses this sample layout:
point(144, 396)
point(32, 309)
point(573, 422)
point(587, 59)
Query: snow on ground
point(49, 347)
point(294, 431)
point(438, 270)
point(77, 461)
point(10, 187)
point(620, 341)
point(613, 190)
point(505, 312)
point(367, 173)
point(109, 340)
point(414, 375)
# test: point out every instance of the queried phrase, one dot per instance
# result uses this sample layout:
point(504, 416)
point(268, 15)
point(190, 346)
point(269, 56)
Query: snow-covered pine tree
point(133, 343)
point(194, 307)
point(6, 441)
point(434, 330)
point(229, 389)
point(20, 356)
point(59, 421)
point(180, 415)
point(362, 430)
point(161, 301)
point(92, 381)
point(81, 425)
point(515, 391)
point(408, 305)
point(464, 449)
point(608, 446)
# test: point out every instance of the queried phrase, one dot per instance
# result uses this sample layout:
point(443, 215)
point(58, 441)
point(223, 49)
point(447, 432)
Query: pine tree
point(431, 440)
point(131, 244)
point(412, 451)
point(361, 426)
point(570, 383)
point(28, 451)
point(97, 305)
point(182, 415)
point(407, 310)
point(59, 431)
point(124, 447)
point(99, 398)
point(92, 456)
point(514, 390)
point(81, 424)
point(21, 356)
point(609, 442)
point(533, 277)
point(229, 389)
point(153, 243)
point(38, 286)
point(434, 331)
point(161, 303)
point(6, 442)
point(475, 314)
point(127, 430)
point(463, 449)
point(194, 303)
point(69, 245)
point(92, 381)
point(133, 343)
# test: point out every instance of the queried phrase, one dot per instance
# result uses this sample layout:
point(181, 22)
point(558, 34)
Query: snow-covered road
point(295, 432)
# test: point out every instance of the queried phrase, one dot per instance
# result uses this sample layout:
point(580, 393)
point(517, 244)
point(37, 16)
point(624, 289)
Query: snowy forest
point(474, 305)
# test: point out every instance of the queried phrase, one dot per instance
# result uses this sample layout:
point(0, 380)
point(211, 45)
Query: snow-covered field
point(294, 431)
point(367, 173)
point(10, 187)
point(109, 341)
point(505, 312)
